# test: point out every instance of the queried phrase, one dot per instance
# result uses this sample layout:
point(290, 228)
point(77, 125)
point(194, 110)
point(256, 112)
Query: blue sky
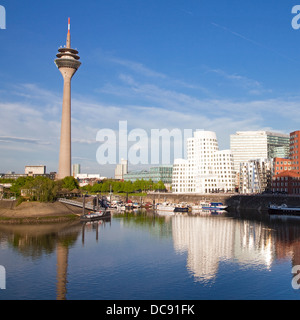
point(217, 65)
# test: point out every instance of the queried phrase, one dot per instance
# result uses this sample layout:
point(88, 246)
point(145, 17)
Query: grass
point(47, 219)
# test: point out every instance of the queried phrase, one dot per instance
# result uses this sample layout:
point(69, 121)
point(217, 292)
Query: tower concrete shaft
point(67, 63)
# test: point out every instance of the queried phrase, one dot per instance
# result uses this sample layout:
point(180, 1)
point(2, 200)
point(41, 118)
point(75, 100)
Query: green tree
point(128, 187)
point(159, 186)
point(87, 188)
point(41, 189)
point(106, 186)
point(19, 184)
point(70, 183)
point(117, 186)
point(96, 188)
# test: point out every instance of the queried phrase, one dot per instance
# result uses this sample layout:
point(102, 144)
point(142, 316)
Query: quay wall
point(234, 202)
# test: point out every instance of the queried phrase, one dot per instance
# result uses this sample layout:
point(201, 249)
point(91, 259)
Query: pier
point(92, 206)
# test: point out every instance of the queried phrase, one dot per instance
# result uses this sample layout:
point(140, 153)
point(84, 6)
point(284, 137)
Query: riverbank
point(37, 212)
point(235, 202)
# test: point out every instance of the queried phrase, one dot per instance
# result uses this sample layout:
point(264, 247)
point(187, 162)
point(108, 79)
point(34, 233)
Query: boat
point(283, 210)
point(136, 205)
point(214, 206)
point(182, 208)
point(165, 206)
point(97, 215)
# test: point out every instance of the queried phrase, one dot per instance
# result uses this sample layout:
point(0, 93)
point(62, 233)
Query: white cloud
point(138, 68)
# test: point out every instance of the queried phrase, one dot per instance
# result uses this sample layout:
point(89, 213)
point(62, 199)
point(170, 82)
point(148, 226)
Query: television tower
point(68, 63)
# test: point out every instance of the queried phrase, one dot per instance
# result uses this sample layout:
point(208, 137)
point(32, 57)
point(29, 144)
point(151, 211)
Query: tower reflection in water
point(208, 241)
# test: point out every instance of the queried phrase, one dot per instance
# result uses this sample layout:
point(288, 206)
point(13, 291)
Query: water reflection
point(93, 226)
point(209, 240)
point(35, 240)
point(253, 241)
point(147, 220)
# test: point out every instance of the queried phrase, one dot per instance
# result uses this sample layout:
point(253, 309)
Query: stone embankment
point(235, 202)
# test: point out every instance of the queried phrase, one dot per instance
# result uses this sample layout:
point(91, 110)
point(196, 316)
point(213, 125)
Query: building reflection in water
point(210, 240)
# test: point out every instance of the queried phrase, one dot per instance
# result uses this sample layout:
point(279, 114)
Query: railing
point(77, 204)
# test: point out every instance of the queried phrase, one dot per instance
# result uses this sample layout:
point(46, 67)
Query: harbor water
point(147, 256)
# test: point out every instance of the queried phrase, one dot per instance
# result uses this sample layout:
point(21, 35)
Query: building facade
point(121, 169)
point(255, 176)
point(287, 182)
point(295, 151)
point(251, 145)
point(206, 169)
point(35, 170)
point(156, 174)
point(280, 165)
point(76, 169)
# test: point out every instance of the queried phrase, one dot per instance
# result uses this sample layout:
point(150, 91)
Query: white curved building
point(206, 169)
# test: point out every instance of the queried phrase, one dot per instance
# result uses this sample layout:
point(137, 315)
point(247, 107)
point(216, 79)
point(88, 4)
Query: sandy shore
point(36, 211)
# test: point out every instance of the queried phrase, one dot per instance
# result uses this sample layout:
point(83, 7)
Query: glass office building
point(156, 174)
point(250, 145)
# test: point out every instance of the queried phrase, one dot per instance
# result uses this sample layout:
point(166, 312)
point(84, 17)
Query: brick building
point(286, 182)
point(295, 150)
point(280, 165)
point(286, 172)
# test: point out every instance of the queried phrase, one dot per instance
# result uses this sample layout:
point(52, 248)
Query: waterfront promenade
point(235, 202)
point(35, 211)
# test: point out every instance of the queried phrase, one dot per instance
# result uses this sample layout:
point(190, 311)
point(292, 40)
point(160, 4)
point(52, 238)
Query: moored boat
point(100, 214)
point(214, 206)
point(283, 210)
point(165, 207)
point(182, 207)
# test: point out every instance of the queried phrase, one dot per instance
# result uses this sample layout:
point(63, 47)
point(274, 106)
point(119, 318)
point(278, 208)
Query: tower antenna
point(69, 34)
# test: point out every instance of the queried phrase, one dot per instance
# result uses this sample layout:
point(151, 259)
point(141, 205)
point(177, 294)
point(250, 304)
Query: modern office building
point(295, 151)
point(206, 169)
point(251, 145)
point(156, 174)
point(76, 169)
point(255, 176)
point(121, 169)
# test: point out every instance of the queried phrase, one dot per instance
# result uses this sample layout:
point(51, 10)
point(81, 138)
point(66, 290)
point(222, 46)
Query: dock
point(83, 204)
